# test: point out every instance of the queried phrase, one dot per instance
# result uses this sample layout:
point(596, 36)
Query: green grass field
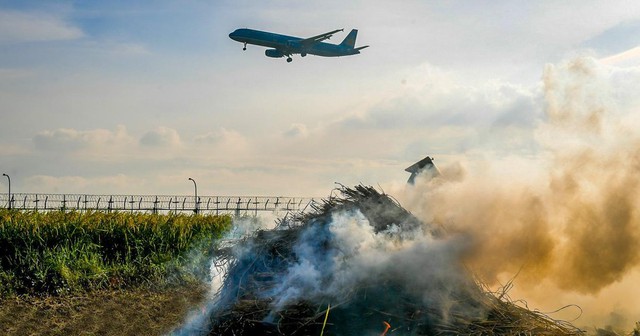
point(44, 253)
point(92, 273)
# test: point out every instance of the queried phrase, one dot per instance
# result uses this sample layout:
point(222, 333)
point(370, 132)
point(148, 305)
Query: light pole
point(195, 186)
point(8, 178)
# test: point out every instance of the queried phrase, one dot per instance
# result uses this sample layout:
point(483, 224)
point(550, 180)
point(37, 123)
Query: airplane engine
point(275, 53)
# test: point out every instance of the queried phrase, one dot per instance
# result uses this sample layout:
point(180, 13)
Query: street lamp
point(195, 186)
point(8, 178)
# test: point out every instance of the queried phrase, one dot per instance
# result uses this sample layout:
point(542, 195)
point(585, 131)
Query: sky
point(125, 97)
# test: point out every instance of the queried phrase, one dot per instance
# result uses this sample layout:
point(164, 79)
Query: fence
point(151, 203)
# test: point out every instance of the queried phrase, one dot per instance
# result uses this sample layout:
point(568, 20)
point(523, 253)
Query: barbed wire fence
point(237, 205)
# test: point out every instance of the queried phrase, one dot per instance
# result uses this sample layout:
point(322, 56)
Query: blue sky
point(135, 97)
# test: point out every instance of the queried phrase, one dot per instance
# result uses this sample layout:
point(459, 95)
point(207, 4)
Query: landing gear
point(289, 59)
point(245, 47)
point(303, 54)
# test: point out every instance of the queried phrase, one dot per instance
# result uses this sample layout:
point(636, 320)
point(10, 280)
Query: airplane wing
point(319, 38)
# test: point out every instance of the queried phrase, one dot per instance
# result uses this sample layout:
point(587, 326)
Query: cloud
point(297, 131)
point(221, 135)
point(224, 141)
point(69, 140)
point(625, 58)
point(18, 27)
point(163, 137)
point(437, 112)
point(62, 139)
point(435, 99)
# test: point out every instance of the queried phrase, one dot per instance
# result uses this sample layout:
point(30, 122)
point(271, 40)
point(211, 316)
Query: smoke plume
point(565, 222)
point(197, 320)
point(364, 255)
point(360, 256)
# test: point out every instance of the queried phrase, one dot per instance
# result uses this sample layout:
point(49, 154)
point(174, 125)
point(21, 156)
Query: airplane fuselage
point(284, 45)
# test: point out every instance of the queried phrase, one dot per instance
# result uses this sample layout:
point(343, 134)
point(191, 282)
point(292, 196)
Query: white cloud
point(62, 139)
point(17, 27)
point(220, 136)
point(162, 137)
point(297, 131)
point(69, 140)
point(439, 100)
point(225, 142)
point(625, 58)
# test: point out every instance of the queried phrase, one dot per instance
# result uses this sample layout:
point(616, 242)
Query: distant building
point(420, 166)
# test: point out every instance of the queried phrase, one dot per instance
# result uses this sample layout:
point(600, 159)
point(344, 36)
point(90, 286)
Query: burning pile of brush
point(360, 264)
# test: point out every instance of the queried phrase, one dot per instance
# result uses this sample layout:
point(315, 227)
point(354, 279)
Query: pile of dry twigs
point(244, 306)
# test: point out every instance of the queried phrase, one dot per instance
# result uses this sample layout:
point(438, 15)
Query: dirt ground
point(126, 312)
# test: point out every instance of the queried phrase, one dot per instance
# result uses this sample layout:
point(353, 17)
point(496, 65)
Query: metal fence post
point(155, 205)
point(275, 207)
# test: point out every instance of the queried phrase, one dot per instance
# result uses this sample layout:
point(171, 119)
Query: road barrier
point(155, 204)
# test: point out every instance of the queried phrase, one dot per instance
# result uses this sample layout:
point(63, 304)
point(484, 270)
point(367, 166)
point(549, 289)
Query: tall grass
point(57, 252)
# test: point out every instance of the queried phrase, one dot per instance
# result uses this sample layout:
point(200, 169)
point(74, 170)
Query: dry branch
point(245, 308)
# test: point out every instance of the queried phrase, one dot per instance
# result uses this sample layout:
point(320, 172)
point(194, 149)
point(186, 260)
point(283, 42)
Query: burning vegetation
point(359, 264)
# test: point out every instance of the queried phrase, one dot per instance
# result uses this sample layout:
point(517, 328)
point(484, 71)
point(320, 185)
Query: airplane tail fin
point(350, 40)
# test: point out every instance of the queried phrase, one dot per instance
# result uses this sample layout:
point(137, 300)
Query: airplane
point(283, 45)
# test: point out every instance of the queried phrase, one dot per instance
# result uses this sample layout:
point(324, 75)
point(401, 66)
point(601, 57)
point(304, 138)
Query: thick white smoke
point(198, 319)
point(357, 256)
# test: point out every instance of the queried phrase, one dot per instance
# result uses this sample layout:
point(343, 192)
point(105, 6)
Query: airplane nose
point(233, 36)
